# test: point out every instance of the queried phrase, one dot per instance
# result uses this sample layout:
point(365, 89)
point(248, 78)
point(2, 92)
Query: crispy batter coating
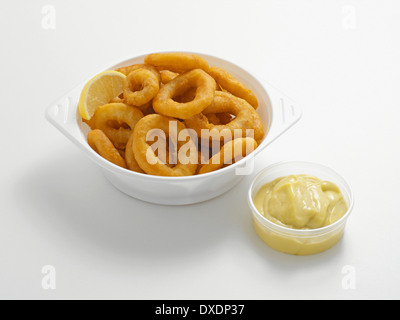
point(245, 118)
point(205, 85)
point(140, 87)
point(176, 61)
point(117, 121)
point(230, 152)
point(232, 85)
point(145, 155)
point(130, 157)
point(167, 76)
point(127, 70)
point(99, 142)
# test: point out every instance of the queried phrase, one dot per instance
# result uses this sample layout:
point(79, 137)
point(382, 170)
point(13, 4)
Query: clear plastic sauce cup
point(299, 241)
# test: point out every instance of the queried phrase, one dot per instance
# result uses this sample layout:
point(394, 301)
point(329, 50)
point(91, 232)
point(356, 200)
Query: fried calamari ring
point(117, 121)
point(145, 155)
point(167, 76)
point(130, 157)
point(99, 142)
point(232, 85)
point(140, 87)
point(176, 61)
point(205, 86)
point(230, 152)
point(127, 70)
point(245, 118)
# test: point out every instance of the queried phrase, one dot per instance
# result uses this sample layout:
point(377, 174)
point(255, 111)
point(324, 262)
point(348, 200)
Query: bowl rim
point(300, 232)
point(110, 166)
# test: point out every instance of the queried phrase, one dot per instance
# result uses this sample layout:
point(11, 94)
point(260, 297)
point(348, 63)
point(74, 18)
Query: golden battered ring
point(145, 155)
point(230, 151)
point(176, 61)
point(100, 143)
point(167, 76)
point(245, 118)
point(205, 86)
point(130, 160)
point(125, 116)
point(232, 85)
point(140, 87)
point(127, 70)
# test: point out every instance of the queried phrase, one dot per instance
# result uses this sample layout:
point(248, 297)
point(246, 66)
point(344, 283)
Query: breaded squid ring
point(176, 61)
point(140, 87)
point(125, 116)
point(145, 155)
point(240, 147)
point(245, 118)
point(164, 104)
point(99, 142)
point(127, 70)
point(232, 85)
point(167, 76)
point(130, 160)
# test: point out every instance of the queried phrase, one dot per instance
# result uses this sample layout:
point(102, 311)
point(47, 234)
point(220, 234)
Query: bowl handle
point(286, 112)
point(62, 115)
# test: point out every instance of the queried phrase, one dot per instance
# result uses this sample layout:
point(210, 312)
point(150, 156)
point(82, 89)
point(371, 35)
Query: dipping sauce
point(301, 202)
point(302, 205)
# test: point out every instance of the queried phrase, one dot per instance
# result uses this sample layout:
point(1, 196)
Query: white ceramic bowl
point(277, 112)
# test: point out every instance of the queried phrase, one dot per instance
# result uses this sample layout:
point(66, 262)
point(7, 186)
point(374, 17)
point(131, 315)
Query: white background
point(338, 59)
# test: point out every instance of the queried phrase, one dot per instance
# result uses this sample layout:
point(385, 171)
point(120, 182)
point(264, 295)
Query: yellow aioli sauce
point(300, 202)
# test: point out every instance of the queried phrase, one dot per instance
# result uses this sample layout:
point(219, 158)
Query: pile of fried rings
point(178, 87)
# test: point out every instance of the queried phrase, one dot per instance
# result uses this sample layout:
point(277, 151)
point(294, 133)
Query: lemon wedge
point(100, 90)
